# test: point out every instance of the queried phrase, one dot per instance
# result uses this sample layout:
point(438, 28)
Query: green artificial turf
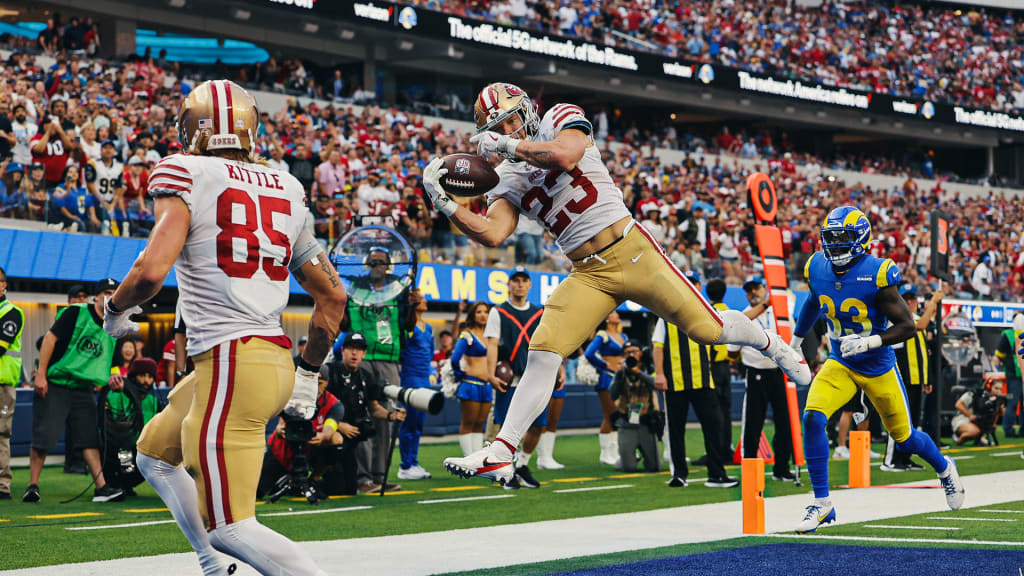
point(31, 539)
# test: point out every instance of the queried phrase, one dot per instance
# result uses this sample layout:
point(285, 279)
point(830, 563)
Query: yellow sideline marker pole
point(860, 459)
point(752, 474)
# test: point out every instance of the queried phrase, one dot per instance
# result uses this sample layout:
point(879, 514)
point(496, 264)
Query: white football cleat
point(841, 453)
point(953, 486)
point(790, 361)
point(413, 473)
point(816, 516)
point(549, 463)
point(486, 463)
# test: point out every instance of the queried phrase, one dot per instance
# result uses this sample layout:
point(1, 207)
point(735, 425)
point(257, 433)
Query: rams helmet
point(218, 115)
point(498, 101)
point(845, 235)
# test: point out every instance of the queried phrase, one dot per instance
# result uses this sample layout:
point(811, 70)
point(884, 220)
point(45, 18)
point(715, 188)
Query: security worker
point(912, 362)
point(12, 320)
point(688, 365)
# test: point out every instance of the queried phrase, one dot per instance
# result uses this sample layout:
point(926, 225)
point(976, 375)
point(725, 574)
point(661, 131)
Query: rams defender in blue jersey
point(859, 296)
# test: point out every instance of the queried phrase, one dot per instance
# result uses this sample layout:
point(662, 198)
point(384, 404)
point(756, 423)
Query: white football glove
point(853, 344)
point(796, 344)
point(432, 185)
point(119, 324)
point(490, 144)
point(303, 401)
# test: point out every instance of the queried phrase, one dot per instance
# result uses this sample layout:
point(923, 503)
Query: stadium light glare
point(455, 53)
point(347, 33)
point(744, 101)
point(706, 96)
point(241, 14)
point(897, 125)
point(310, 27)
point(790, 109)
point(937, 130)
point(821, 114)
point(552, 67)
point(176, 3)
point(518, 64)
point(405, 45)
point(651, 87)
point(865, 120)
point(968, 134)
point(615, 81)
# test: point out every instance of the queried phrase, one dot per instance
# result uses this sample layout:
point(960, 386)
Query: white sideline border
point(417, 554)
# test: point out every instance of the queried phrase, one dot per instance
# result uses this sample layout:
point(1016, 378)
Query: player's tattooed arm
point(562, 153)
point(895, 309)
point(320, 280)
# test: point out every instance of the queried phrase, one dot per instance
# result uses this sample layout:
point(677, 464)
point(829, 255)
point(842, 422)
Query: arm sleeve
point(171, 178)
point(493, 328)
point(591, 352)
point(10, 325)
point(305, 249)
point(65, 324)
point(565, 116)
point(888, 274)
point(1003, 348)
point(808, 315)
point(658, 338)
point(457, 352)
point(337, 412)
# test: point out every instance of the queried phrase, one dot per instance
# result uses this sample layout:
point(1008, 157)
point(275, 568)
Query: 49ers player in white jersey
point(551, 171)
point(234, 228)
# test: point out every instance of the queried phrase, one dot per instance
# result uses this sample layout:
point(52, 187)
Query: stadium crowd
point(939, 53)
point(78, 139)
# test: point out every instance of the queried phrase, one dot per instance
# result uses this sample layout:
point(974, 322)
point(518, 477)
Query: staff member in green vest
point(383, 315)
point(12, 320)
point(683, 370)
point(1006, 352)
point(75, 357)
point(912, 362)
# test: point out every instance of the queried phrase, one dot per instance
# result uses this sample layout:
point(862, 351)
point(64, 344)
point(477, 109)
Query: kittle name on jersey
point(258, 177)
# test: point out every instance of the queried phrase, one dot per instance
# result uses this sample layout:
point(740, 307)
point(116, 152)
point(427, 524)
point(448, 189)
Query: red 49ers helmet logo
point(513, 90)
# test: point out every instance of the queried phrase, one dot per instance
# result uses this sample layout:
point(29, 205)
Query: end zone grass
point(37, 535)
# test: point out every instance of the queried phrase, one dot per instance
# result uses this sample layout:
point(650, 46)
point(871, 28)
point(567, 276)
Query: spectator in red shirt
point(50, 148)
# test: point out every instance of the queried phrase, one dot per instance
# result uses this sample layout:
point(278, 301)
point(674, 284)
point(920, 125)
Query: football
point(504, 371)
point(468, 175)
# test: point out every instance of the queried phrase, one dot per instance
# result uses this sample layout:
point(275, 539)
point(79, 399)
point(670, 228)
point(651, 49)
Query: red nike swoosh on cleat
point(488, 467)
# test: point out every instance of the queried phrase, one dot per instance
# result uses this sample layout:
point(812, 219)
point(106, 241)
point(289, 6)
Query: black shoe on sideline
point(912, 465)
point(76, 468)
point(5, 495)
point(678, 483)
point(702, 461)
point(723, 482)
point(31, 493)
point(784, 477)
point(526, 479)
point(107, 494)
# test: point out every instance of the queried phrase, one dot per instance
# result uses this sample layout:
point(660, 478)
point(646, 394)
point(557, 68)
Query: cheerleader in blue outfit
point(475, 392)
point(605, 354)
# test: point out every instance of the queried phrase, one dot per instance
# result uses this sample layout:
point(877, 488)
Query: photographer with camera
point(286, 469)
point(637, 416)
point(360, 395)
point(979, 412)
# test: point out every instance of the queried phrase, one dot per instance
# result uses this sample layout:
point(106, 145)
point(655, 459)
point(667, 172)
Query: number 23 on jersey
point(560, 219)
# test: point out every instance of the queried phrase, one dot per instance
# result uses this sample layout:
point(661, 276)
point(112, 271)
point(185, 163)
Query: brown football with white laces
point(468, 175)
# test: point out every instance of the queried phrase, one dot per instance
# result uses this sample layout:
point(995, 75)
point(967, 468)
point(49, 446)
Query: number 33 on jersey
point(557, 199)
point(848, 304)
point(245, 219)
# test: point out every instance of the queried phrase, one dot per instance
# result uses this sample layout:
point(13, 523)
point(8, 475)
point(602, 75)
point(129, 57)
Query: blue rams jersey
point(848, 302)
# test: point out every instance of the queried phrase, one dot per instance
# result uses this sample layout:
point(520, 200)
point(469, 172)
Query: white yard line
point(1001, 511)
point(433, 552)
point(321, 511)
point(966, 519)
point(591, 489)
point(114, 526)
point(1001, 454)
point(810, 537)
point(895, 527)
point(467, 499)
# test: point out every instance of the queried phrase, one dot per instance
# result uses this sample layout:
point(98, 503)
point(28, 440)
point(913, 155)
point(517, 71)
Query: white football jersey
point(573, 205)
point(107, 178)
point(233, 270)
